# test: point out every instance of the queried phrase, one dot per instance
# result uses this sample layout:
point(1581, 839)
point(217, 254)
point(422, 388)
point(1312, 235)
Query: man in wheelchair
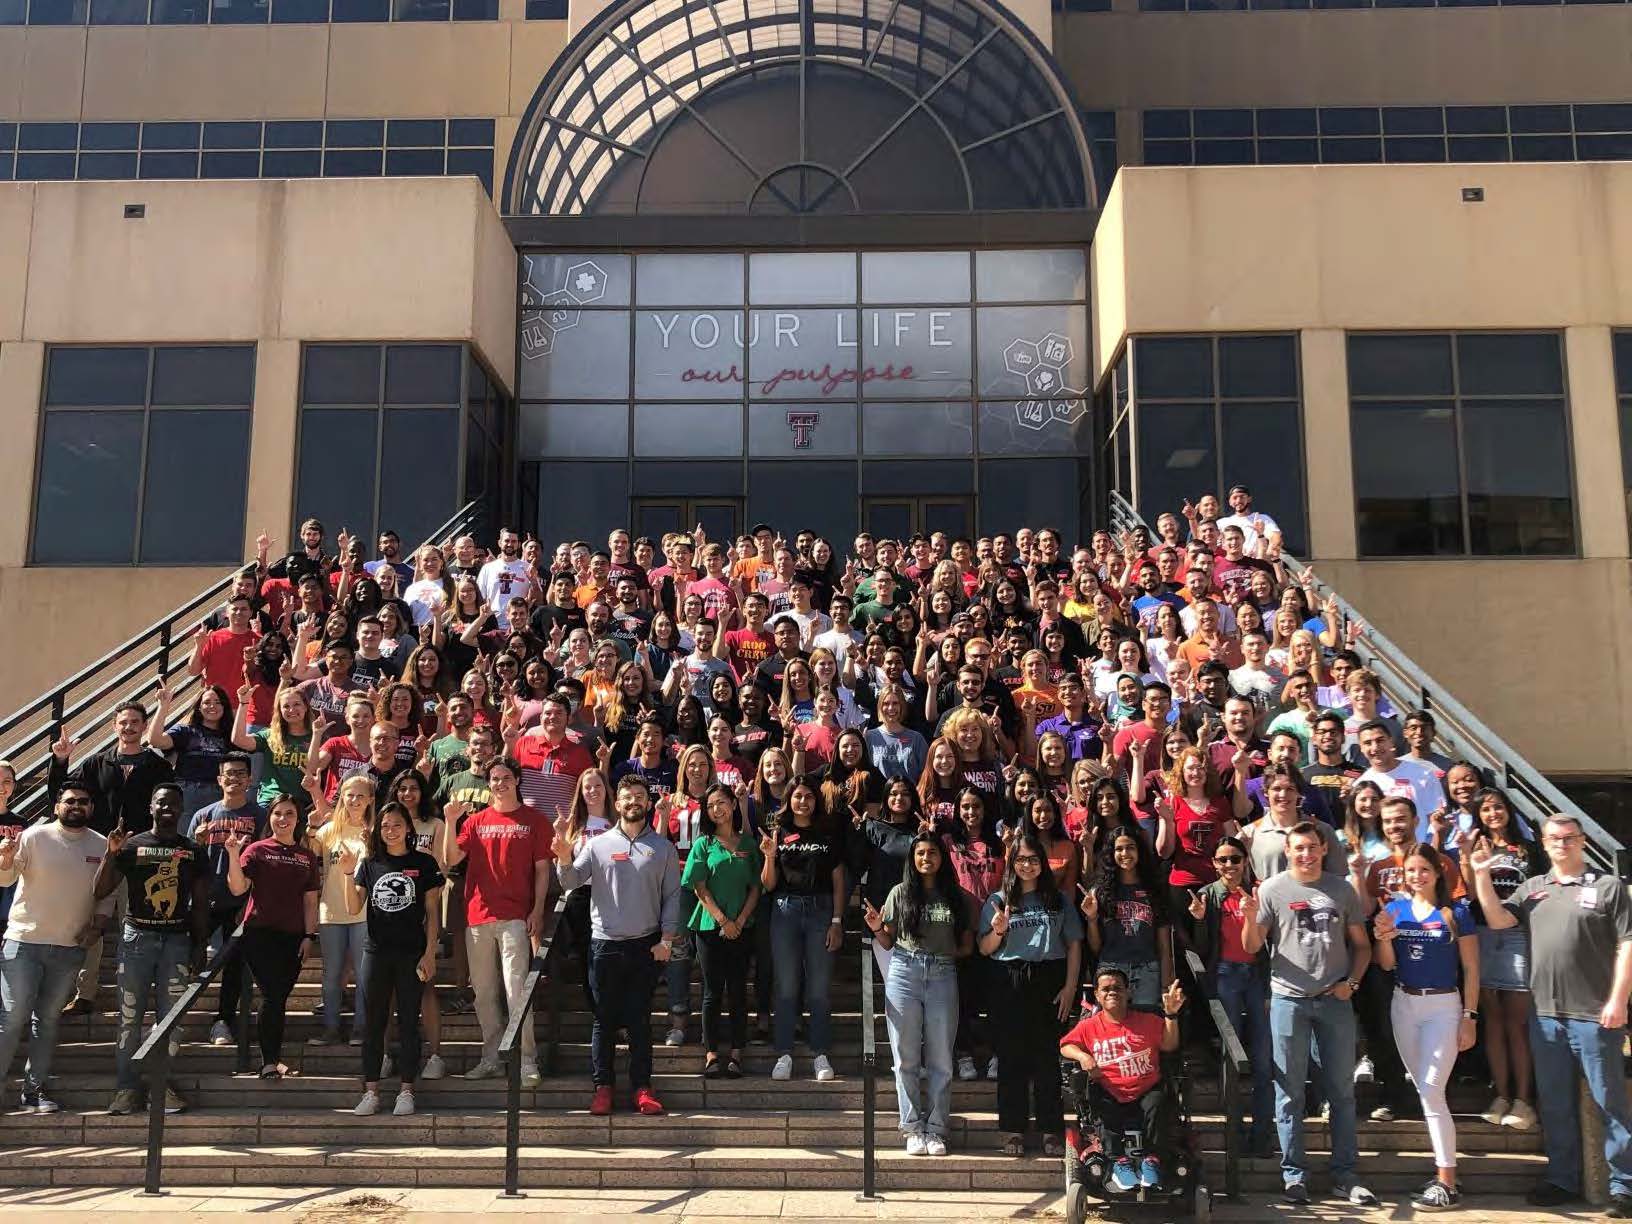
point(1120, 1051)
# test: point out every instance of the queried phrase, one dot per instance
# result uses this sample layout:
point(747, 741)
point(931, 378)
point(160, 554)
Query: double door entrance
point(897, 518)
point(722, 518)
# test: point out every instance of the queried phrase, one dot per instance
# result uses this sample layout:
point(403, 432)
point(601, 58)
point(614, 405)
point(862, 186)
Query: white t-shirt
point(838, 642)
point(1416, 781)
point(425, 599)
point(500, 581)
point(1255, 528)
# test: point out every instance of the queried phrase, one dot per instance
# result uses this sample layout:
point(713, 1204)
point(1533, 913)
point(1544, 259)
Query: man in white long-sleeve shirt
point(54, 918)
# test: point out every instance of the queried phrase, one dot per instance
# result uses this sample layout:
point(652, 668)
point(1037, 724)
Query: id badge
point(620, 856)
point(1589, 898)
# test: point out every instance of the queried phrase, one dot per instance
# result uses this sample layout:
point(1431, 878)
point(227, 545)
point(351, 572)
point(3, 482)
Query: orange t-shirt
point(750, 573)
point(1195, 652)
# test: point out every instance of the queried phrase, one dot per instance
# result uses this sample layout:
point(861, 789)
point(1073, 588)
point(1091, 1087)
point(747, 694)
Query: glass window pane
point(56, 12)
point(916, 352)
point(773, 498)
point(361, 10)
point(342, 374)
point(335, 476)
point(688, 354)
point(915, 276)
point(1405, 480)
point(563, 430)
point(799, 277)
point(1035, 491)
point(1177, 457)
point(917, 429)
point(422, 374)
point(800, 354)
point(1399, 365)
point(1517, 457)
point(97, 376)
point(1035, 427)
point(213, 374)
point(802, 430)
point(419, 486)
point(1178, 367)
point(118, 12)
point(109, 136)
point(85, 501)
point(107, 166)
point(1623, 362)
point(689, 280)
point(664, 430)
point(1262, 451)
point(588, 280)
point(1031, 276)
point(1510, 363)
point(1258, 366)
point(576, 501)
point(569, 353)
point(180, 12)
point(1032, 350)
point(193, 501)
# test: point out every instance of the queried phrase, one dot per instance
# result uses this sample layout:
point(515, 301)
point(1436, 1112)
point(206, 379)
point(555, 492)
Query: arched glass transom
point(801, 107)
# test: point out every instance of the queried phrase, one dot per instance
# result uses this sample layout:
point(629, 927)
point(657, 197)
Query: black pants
point(972, 991)
point(760, 946)
point(231, 978)
point(622, 976)
point(1028, 1044)
point(1372, 1002)
point(1150, 1117)
point(392, 973)
point(273, 958)
point(725, 977)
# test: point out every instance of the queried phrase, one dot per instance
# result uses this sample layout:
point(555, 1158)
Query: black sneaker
point(1546, 1194)
point(1296, 1193)
point(1437, 1196)
point(1620, 1207)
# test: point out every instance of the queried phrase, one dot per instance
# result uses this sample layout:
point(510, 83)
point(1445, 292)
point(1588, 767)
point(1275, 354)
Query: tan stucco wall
point(1325, 250)
point(273, 263)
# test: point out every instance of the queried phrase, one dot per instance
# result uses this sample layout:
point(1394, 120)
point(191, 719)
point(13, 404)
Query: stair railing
point(869, 1078)
point(544, 968)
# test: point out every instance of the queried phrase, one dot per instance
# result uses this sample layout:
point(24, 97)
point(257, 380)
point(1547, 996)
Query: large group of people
point(1048, 772)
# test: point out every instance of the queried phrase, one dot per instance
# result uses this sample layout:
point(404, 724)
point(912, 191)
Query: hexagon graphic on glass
point(582, 283)
point(1041, 363)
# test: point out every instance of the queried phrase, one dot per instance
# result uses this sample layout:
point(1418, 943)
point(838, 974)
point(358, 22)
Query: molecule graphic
point(1041, 363)
point(581, 284)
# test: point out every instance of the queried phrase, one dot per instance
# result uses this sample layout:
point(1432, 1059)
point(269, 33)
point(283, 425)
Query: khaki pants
point(86, 985)
point(500, 954)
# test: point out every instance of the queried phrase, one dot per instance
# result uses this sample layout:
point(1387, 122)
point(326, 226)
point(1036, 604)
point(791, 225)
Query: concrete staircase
point(718, 1134)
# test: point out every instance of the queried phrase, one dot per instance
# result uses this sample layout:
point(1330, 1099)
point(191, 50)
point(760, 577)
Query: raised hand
point(560, 846)
point(1000, 917)
point(62, 747)
point(1173, 998)
point(1483, 855)
point(871, 916)
point(346, 861)
point(1090, 905)
point(1249, 907)
point(117, 837)
point(1198, 905)
point(1439, 823)
point(235, 843)
point(246, 692)
point(8, 851)
point(1383, 927)
point(767, 843)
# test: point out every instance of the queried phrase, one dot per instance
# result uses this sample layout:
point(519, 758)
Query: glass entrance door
point(897, 518)
point(720, 517)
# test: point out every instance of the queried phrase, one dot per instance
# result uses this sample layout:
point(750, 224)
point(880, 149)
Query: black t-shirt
point(548, 616)
point(374, 672)
point(749, 740)
point(805, 859)
point(160, 873)
point(630, 626)
point(394, 888)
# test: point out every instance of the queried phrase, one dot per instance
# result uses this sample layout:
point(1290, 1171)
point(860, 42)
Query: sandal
point(1014, 1145)
point(711, 1067)
point(1053, 1146)
point(271, 1072)
point(733, 1067)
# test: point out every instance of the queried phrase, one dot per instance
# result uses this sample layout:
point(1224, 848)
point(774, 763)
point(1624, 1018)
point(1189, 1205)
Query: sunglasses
point(1228, 858)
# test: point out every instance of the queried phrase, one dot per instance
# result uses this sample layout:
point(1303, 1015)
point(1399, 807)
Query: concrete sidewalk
point(63, 1204)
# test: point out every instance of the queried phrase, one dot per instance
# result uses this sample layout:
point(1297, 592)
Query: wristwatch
point(1353, 985)
point(1470, 1015)
point(837, 922)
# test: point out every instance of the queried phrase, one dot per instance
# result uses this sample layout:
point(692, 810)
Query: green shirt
point(450, 755)
point(285, 769)
point(937, 936)
point(464, 787)
point(728, 875)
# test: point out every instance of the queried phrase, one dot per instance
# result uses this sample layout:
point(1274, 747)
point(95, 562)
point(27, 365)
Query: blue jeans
point(799, 952)
point(152, 965)
point(336, 939)
point(1560, 1047)
point(1330, 1022)
point(1243, 992)
point(36, 980)
point(921, 1005)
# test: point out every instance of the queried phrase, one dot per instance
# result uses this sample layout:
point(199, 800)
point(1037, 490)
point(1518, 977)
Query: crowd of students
point(1047, 771)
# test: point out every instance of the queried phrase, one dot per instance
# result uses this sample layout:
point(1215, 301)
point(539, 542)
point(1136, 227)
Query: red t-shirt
point(1198, 832)
point(747, 649)
point(549, 772)
point(224, 660)
point(1128, 1054)
point(1229, 931)
point(344, 760)
point(1139, 737)
point(282, 876)
point(716, 595)
point(501, 849)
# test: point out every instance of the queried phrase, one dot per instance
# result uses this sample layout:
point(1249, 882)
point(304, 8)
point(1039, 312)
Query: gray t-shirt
point(1035, 933)
point(939, 934)
point(1268, 848)
point(1306, 926)
point(1575, 930)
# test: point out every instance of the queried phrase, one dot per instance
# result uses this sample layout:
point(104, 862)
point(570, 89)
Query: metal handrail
point(154, 1053)
point(1234, 1068)
point(1458, 732)
point(541, 968)
point(869, 1078)
point(61, 707)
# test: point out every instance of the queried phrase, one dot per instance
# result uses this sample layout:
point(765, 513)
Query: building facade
point(887, 264)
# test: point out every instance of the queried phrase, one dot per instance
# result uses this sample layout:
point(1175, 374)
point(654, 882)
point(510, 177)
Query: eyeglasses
point(1569, 839)
point(1027, 860)
point(71, 802)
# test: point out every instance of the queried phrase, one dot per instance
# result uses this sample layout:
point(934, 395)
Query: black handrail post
point(512, 1124)
point(869, 1081)
point(158, 1080)
point(552, 1026)
point(1232, 1134)
point(164, 649)
point(244, 1001)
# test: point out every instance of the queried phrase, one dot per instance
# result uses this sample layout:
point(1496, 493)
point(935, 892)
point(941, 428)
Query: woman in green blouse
point(723, 870)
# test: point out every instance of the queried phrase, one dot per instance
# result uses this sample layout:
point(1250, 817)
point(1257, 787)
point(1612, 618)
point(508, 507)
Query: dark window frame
point(1621, 338)
point(1455, 403)
point(147, 409)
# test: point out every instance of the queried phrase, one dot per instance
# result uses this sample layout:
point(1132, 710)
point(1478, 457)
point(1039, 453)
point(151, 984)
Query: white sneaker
point(783, 1069)
point(370, 1104)
point(916, 1145)
point(405, 1103)
point(934, 1145)
point(220, 1034)
point(991, 1068)
point(530, 1078)
point(1496, 1111)
point(1364, 1072)
point(434, 1068)
point(824, 1069)
point(1521, 1117)
point(484, 1070)
point(966, 1068)
point(675, 1039)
